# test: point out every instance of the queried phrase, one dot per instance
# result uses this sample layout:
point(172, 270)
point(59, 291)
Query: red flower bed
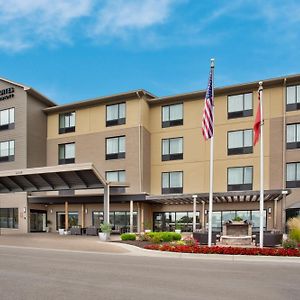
point(225, 250)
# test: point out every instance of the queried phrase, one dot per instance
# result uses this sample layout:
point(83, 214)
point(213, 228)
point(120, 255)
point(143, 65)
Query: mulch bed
point(141, 244)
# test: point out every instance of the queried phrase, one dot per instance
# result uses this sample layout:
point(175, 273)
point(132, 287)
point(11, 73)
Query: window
point(172, 182)
point(293, 136)
point(115, 114)
point(240, 142)
point(66, 153)
point(240, 106)
point(293, 175)
point(167, 221)
point(7, 151)
point(172, 149)
point(239, 179)
point(9, 218)
point(7, 119)
point(115, 147)
point(115, 176)
point(172, 115)
point(119, 220)
point(67, 122)
point(61, 219)
point(293, 97)
point(221, 217)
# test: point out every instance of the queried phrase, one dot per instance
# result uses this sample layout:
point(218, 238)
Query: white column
point(131, 216)
point(275, 214)
point(106, 204)
point(139, 218)
point(203, 216)
point(194, 212)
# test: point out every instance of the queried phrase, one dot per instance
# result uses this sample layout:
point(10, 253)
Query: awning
point(54, 178)
point(226, 197)
point(81, 199)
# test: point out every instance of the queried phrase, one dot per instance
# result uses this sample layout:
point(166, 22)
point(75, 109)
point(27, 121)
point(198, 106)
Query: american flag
point(208, 119)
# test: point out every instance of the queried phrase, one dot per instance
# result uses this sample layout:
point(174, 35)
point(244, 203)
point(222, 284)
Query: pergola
point(60, 178)
point(226, 197)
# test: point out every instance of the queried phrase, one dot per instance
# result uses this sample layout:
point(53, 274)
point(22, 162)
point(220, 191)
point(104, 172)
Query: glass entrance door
point(38, 220)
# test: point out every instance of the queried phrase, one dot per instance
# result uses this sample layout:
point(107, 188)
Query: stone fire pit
point(237, 233)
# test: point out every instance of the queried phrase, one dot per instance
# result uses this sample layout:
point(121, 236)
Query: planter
point(61, 231)
point(104, 236)
point(178, 230)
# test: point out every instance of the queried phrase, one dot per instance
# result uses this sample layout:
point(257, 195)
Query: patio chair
point(91, 231)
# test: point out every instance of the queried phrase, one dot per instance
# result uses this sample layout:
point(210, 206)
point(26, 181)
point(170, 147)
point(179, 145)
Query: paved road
point(47, 274)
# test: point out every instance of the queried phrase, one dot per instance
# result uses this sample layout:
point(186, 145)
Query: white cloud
point(23, 23)
point(119, 17)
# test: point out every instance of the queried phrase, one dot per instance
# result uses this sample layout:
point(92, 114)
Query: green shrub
point(105, 227)
point(157, 237)
point(294, 234)
point(289, 244)
point(128, 237)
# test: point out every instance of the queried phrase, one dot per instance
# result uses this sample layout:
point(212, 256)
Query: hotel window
point(172, 182)
point(293, 175)
point(115, 176)
point(240, 106)
point(293, 136)
point(7, 119)
point(115, 147)
point(67, 122)
point(115, 114)
point(293, 97)
point(7, 151)
point(9, 218)
point(172, 115)
point(239, 178)
point(240, 142)
point(172, 149)
point(66, 153)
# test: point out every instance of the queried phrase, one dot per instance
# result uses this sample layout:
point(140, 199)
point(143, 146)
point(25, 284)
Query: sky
point(73, 50)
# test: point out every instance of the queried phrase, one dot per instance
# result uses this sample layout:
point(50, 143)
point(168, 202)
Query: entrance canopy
point(54, 178)
point(226, 197)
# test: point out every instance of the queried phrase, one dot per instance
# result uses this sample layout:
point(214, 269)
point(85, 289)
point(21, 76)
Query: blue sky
point(76, 49)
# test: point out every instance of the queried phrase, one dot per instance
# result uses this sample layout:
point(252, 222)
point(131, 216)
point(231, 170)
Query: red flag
point(257, 122)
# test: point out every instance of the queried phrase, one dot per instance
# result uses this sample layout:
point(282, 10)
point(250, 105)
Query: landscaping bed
point(224, 250)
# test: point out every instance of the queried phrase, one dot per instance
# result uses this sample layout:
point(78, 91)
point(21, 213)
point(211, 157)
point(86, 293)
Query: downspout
point(283, 204)
point(140, 142)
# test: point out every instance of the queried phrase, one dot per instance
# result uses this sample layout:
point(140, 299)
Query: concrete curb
point(137, 251)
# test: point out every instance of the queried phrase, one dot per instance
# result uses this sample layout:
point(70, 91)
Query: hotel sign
point(7, 93)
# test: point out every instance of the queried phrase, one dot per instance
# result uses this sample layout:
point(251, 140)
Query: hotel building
point(140, 161)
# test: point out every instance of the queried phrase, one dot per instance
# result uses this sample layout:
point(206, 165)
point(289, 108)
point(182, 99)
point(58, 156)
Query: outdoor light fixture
point(205, 211)
point(24, 210)
point(51, 211)
point(86, 211)
point(269, 210)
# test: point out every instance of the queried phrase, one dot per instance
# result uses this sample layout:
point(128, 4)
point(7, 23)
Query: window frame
point(296, 144)
point(9, 125)
point(292, 183)
point(172, 190)
point(15, 217)
point(8, 158)
point(171, 156)
point(66, 129)
point(65, 161)
point(171, 123)
point(118, 155)
point(117, 171)
point(118, 121)
point(295, 105)
point(241, 113)
point(240, 150)
point(243, 186)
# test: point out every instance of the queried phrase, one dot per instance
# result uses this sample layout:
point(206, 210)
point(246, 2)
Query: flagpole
point(261, 197)
point(211, 164)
